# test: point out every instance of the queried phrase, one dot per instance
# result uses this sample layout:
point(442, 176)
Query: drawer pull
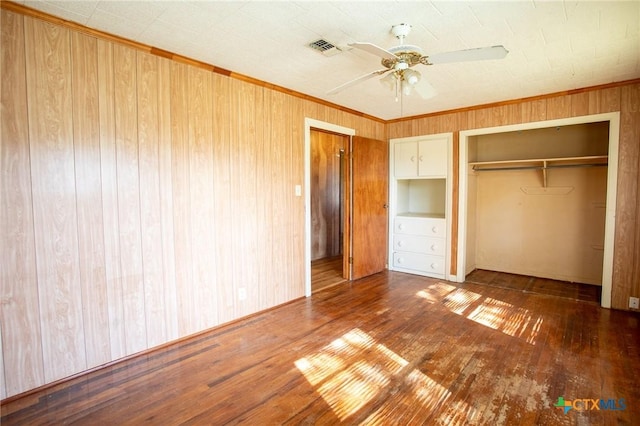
point(399, 260)
point(399, 243)
point(434, 229)
point(434, 265)
point(434, 247)
point(401, 226)
point(413, 158)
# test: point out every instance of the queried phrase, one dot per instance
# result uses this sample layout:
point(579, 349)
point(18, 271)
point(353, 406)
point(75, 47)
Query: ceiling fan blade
point(375, 50)
point(478, 54)
point(357, 80)
point(424, 89)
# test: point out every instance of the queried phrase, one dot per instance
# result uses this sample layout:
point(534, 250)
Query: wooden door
point(370, 175)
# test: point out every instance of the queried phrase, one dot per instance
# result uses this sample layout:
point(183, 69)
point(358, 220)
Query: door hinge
point(351, 261)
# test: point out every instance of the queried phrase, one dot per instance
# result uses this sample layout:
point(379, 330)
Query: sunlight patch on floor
point(490, 312)
point(459, 300)
point(436, 292)
point(353, 370)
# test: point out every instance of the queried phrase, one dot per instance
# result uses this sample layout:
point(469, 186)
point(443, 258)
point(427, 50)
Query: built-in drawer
point(424, 226)
point(418, 244)
point(419, 262)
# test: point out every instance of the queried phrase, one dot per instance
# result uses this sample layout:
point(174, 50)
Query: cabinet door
point(405, 162)
point(432, 158)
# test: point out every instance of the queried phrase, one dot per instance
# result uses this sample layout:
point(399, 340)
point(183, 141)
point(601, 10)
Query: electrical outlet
point(242, 293)
point(634, 303)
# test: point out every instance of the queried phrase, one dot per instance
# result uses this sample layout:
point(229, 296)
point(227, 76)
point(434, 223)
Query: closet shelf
point(540, 164)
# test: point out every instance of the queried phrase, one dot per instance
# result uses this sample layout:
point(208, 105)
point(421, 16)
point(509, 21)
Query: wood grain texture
point(88, 183)
point(223, 192)
point(559, 107)
point(110, 225)
point(264, 231)
point(185, 297)
point(369, 216)
point(604, 100)
point(128, 176)
point(327, 272)
point(287, 208)
point(3, 382)
point(326, 193)
point(297, 289)
point(243, 180)
point(20, 313)
point(393, 349)
point(147, 74)
point(455, 185)
point(280, 157)
point(625, 267)
point(39, 181)
point(632, 101)
point(534, 110)
point(202, 196)
point(166, 199)
point(54, 197)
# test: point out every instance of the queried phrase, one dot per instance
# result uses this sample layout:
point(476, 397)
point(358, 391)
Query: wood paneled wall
point(138, 195)
point(624, 98)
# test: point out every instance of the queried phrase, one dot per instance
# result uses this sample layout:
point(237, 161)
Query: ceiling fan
point(398, 62)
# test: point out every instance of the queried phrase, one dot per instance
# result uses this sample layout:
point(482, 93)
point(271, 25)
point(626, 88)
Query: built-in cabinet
point(421, 158)
point(420, 204)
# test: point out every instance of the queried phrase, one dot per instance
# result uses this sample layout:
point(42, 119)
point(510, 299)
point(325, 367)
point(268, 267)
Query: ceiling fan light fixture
point(389, 81)
point(411, 77)
point(398, 63)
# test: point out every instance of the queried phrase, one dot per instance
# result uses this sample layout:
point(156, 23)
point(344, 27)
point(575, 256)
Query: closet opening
point(537, 205)
point(328, 189)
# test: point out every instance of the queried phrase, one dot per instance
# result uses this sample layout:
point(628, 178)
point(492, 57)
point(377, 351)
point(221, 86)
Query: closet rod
point(558, 166)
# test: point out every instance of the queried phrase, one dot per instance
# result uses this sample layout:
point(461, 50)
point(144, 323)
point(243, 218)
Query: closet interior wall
point(526, 220)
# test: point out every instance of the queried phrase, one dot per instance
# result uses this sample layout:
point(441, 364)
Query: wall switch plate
point(242, 293)
point(298, 191)
point(634, 303)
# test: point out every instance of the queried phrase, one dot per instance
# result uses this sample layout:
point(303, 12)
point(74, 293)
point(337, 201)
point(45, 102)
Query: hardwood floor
point(326, 273)
point(528, 284)
point(392, 348)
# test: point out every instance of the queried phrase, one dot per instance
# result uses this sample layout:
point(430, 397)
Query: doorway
point(328, 189)
point(321, 126)
point(364, 206)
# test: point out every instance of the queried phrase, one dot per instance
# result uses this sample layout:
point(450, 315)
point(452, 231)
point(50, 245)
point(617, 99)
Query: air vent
point(325, 47)
point(321, 45)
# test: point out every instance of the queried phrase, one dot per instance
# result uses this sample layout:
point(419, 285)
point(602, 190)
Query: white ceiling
point(553, 45)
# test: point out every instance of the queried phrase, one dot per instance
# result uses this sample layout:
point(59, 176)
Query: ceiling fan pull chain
point(397, 84)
